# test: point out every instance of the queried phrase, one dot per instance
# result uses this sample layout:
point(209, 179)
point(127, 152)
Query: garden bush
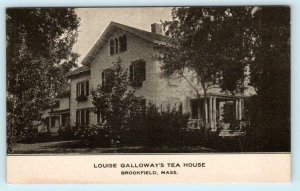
point(162, 127)
point(94, 135)
point(66, 133)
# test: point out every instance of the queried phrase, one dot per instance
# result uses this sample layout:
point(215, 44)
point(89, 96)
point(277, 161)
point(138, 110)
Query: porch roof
point(224, 96)
point(62, 111)
point(78, 71)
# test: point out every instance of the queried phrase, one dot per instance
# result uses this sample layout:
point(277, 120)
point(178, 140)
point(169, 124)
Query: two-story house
point(137, 51)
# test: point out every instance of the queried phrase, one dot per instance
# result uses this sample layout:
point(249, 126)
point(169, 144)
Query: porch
point(57, 120)
point(220, 112)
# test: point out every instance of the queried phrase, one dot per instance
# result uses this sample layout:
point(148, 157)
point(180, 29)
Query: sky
point(95, 20)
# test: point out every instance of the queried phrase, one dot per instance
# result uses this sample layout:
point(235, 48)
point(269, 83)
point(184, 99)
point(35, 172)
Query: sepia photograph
point(141, 80)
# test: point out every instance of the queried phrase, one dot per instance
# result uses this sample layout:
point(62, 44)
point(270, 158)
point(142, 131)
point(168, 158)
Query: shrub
point(66, 133)
point(164, 127)
point(11, 135)
point(94, 135)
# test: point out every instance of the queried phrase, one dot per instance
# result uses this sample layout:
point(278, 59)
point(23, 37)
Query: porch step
point(231, 133)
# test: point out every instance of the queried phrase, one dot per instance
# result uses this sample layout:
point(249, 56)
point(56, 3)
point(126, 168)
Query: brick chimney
point(156, 28)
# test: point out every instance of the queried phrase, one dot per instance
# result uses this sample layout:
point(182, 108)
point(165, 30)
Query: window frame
point(99, 118)
point(134, 76)
point(83, 116)
point(118, 45)
point(82, 90)
point(106, 84)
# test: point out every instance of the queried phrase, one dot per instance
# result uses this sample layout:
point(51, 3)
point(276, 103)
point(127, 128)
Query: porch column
point(214, 113)
point(49, 120)
point(211, 112)
point(237, 109)
point(206, 110)
point(60, 121)
point(240, 109)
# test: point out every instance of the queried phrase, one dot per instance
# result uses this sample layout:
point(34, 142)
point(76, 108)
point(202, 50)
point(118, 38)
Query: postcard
point(148, 94)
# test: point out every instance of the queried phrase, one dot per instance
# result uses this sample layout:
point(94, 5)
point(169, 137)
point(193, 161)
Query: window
point(99, 118)
point(107, 79)
point(65, 120)
point(82, 91)
point(123, 43)
point(83, 116)
point(54, 121)
point(137, 73)
point(117, 46)
point(112, 49)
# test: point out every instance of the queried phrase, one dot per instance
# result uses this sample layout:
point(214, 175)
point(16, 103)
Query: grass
point(76, 147)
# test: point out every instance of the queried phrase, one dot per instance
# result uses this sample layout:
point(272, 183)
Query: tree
point(39, 42)
point(210, 42)
point(270, 75)
point(115, 102)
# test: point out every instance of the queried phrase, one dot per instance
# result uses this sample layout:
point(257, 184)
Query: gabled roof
point(78, 71)
point(148, 36)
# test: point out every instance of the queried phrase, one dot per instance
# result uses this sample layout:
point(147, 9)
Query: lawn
point(76, 147)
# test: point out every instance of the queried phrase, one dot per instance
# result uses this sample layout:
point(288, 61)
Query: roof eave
point(77, 73)
point(102, 40)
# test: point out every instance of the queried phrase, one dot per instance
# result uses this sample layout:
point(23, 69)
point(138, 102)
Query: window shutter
point(87, 88)
point(81, 116)
point(117, 46)
point(103, 78)
point(111, 47)
point(109, 77)
point(82, 88)
point(77, 116)
point(121, 43)
point(143, 71)
point(124, 42)
point(131, 72)
point(77, 89)
point(139, 73)
point(87, 119)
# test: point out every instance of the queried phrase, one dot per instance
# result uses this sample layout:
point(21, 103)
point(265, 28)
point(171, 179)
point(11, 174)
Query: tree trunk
point(199, 118)
point(198, 108)
point(49, 123)
point(205, 109)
